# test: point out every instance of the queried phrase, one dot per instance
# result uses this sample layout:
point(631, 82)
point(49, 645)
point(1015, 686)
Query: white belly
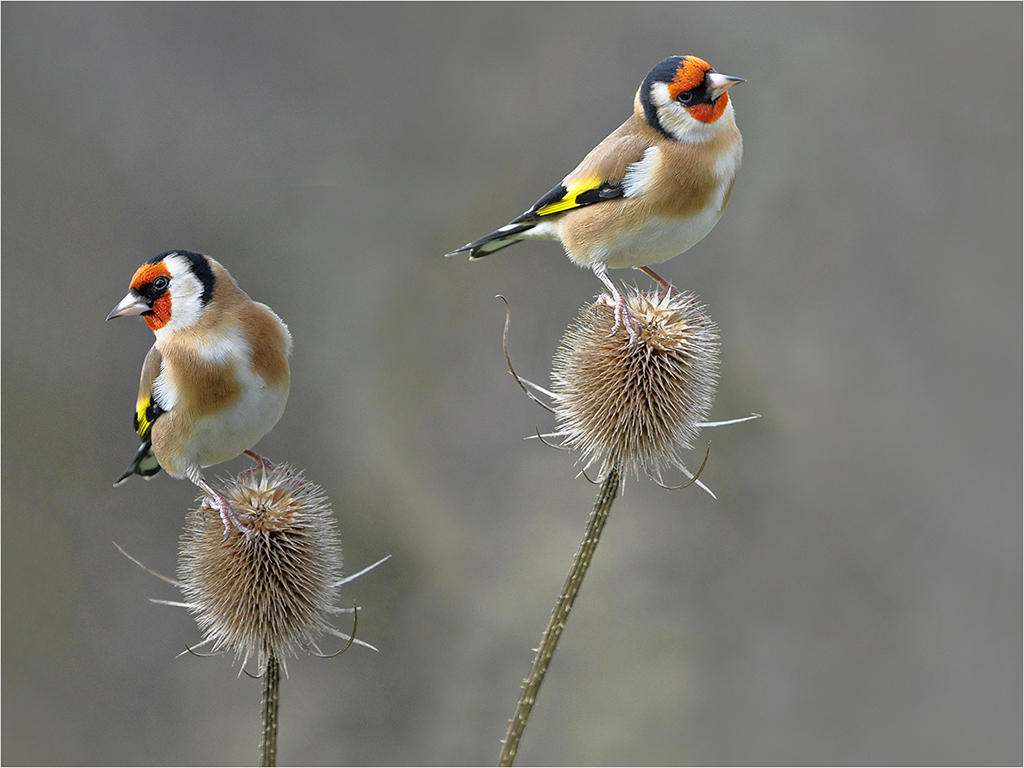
point(657, 240)
point(219, 439)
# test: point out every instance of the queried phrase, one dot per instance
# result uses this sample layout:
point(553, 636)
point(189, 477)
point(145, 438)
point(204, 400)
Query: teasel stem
point(271, 691)
point(553, 632)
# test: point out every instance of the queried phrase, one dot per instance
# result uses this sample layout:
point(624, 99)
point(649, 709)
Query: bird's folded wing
point(146, 408)
point(597, 179)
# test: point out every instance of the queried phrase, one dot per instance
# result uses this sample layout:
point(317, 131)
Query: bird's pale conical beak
point(132, 304)
point(721, 83)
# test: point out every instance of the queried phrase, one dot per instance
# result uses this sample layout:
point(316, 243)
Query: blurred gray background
point(852, 596)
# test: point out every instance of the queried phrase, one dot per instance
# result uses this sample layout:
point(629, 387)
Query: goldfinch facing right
point(651, 190)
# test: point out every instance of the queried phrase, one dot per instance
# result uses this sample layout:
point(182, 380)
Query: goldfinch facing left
point(215, 381)
point(652, 189)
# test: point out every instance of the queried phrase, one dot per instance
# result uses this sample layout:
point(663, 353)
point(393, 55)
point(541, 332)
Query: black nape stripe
point(200, 267)
point(664, 72)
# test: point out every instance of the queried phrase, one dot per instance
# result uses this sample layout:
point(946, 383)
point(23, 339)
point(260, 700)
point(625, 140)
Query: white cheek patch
point(674, 118)
point(660, 97)
point(186, 294)
point(639, 174)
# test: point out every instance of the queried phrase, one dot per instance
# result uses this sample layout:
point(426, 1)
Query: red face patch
point(708, 113)
point(143, 277)
point(161, 313)
point(689, 75)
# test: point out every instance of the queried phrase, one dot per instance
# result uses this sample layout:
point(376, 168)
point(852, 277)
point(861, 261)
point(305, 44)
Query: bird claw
point(623, 317)
point(233, 519)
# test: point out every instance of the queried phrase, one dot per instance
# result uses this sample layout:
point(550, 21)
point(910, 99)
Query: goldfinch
point(651, 190)
point(215, 381)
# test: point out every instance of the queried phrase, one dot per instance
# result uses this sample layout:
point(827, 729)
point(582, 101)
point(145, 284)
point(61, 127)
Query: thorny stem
point(271, 689)
point(549, 640)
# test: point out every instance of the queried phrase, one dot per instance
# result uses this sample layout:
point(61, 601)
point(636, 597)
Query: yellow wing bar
point(586, 191)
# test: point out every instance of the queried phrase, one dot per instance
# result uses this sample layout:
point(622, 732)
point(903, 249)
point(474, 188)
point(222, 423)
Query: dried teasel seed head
point(265, 592)
point(636, 406)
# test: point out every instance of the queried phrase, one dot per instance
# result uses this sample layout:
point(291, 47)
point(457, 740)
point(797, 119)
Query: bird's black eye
point(685, 97)
point(161, 283)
